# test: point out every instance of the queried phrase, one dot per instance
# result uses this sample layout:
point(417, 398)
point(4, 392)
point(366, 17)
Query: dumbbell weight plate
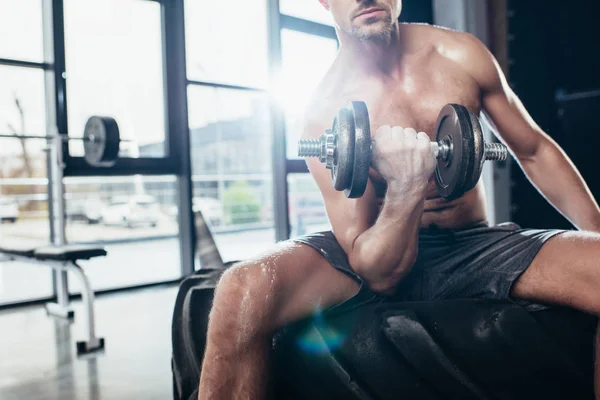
point(453, 175)
point(101, 141)
point(343, 158)
point(474, 174)
point(362, 150)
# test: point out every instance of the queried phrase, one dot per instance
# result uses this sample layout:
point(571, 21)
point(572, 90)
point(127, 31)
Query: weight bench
point(63, 259)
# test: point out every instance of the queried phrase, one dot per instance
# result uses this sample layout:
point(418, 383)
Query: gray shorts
point(476, 262)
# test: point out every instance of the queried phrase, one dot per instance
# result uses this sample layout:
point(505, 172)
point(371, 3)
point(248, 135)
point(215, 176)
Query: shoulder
point(451, 44)
point(466, 51)
point(320, 111)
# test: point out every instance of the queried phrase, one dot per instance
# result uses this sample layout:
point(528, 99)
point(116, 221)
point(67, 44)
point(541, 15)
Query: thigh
point(566, 271)
point(286, 284)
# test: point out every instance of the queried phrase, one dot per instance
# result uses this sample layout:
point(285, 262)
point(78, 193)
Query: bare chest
point(416, 100)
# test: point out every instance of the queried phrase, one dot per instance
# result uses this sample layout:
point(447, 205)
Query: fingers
point(410, 132)
point(384, 132)
point(399, 133)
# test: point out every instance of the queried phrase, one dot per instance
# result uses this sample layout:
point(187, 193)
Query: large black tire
point(464, 349)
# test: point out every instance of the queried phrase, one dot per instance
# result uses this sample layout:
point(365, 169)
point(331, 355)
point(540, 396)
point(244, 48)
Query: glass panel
point(306, 207)
point(235, 52)
point(306, 9)
point(135, 218)
point(23, 184)
point(231, 166)
point(21, 35)
point(299, 78)
point(22, 101)
point(114, 68)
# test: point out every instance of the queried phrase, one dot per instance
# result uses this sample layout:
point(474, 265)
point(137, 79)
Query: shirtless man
point(391, 241)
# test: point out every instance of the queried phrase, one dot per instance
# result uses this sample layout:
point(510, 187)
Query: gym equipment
point(101, 141)
point(62, 259)
point(376, 348)
point(460, 150)
point(453, 349)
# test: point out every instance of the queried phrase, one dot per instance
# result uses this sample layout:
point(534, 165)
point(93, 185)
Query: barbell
point(459, 149)
point(101, 141)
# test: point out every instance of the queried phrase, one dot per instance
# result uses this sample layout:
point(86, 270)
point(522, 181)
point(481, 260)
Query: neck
point(379, 54)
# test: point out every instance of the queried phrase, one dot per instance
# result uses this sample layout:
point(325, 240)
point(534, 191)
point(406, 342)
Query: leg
point(566, 271)
point(92, 343)
point(252, 301)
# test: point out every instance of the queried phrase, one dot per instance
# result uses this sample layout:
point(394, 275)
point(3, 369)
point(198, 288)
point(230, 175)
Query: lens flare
point(320, 337)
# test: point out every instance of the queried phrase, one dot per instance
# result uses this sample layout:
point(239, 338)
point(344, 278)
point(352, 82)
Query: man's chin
point(377, 31)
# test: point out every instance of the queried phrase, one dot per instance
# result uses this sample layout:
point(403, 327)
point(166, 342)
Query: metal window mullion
point(296, 166)
point(306, 26)
point(56, 106)
point(174, 66)
point(26, 64)
point(280, 186)
point(225, 86)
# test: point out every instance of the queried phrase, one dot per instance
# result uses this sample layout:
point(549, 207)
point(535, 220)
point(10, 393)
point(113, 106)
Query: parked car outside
point(9, 210)
point(211, 209)
point(88, 211)
point(132, 211)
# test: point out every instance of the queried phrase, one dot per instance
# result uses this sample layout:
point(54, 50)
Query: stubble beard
point(380, 34)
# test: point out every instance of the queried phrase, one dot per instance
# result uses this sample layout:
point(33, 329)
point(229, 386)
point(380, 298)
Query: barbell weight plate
point(451, 175)
point(101, 141)
point(343, 158)
point(474, 173)
point(362, 150)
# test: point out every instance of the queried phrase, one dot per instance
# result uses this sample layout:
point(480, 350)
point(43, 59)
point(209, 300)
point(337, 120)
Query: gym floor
point(38, 358)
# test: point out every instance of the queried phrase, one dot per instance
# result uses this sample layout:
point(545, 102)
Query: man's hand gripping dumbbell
point(460, 150)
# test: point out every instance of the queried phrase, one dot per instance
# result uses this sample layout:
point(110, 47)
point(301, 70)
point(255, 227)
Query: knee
point(245, 298)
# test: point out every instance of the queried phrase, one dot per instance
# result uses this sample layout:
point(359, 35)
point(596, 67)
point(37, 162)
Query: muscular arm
point(381, 248)
point(545, 164)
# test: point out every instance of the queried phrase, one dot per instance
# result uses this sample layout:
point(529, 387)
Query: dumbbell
point(459, 148)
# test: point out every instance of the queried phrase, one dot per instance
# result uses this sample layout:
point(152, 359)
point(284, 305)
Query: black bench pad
point(16, 251)
point(69, 253)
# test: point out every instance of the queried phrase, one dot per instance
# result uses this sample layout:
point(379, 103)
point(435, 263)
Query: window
point(300, 78)
point(114, 68)
point(306, 207)
point(226, 42)
point(306, 9)
point(22, 103)
point(23, 222)
point(23, 184)
point(21, 26)
point(231, 164)
point(135, 218)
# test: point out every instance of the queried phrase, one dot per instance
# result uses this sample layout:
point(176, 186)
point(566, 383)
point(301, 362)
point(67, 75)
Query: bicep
point(349, 217)
point(514, 124)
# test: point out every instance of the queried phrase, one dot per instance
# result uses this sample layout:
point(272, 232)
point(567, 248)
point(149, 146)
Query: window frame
point(177, 160)
point(282, 165)
point(76, 166)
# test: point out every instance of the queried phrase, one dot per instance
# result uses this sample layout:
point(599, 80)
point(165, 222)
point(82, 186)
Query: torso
point(427, 81)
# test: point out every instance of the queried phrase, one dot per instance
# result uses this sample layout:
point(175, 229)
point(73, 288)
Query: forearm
point(551, 171)
point(385, 253)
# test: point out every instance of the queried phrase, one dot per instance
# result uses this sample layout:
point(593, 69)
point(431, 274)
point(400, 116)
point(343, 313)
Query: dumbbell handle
point(442, 149)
